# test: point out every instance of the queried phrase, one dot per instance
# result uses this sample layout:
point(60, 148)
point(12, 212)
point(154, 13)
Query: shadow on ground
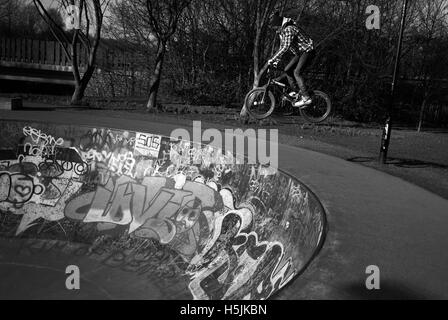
point(389, 290)
point(401, 162)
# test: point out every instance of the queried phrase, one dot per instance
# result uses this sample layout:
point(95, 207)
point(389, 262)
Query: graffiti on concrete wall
point(232, 230)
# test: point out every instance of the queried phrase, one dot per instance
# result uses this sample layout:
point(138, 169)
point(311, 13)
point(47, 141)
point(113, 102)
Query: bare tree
point(88, 36)
point(9, 10)
point(4, 6)
point(129, 25)
point(163, 17)
point(431, 28)
point(263, 11)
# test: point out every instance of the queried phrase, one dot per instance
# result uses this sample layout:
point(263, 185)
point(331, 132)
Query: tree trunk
point(256, 54)
point(257, 58)
point(82, 82)
point(81, 86)
point(422, 114)
point(78, 95)
point(156, 76)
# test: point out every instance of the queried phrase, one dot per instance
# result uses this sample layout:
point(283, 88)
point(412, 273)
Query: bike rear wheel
point(319, 109)
point(260, 103)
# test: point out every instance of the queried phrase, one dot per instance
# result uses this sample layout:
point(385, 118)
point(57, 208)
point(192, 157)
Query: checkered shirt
point(294, 39)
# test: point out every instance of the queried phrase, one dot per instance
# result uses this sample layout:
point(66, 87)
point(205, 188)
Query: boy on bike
point(295, 40)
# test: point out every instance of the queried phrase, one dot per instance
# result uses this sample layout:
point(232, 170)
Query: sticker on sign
point(147, 144)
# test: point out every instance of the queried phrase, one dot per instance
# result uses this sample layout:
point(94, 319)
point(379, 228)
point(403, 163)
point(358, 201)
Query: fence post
point(2, 47)
point(30, 50)
point(17, 49)
point(12, 49)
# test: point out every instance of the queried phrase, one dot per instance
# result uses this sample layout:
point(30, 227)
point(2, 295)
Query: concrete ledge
point(37, 79)
point(36, 65)
point(11, 104)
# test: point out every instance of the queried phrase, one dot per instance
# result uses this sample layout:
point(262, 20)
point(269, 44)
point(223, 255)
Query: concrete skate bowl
point(144, 216)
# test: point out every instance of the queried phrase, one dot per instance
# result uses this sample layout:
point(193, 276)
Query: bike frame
point(275, 82)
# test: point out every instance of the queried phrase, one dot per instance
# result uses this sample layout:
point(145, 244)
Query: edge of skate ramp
point(145, 216)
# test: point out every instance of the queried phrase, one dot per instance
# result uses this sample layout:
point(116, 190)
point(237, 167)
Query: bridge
point(44, 61)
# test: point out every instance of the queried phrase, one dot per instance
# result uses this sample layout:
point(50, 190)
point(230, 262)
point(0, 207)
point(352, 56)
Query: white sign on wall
point(147, 144)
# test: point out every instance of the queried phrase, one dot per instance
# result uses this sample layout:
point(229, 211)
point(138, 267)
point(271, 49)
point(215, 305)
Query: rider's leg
point(303, 63)
point(289, 71)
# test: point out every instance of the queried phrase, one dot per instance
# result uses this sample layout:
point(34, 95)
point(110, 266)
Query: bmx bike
point(260, 102)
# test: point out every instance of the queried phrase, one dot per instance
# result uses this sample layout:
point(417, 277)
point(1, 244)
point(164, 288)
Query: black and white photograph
point(224, 156)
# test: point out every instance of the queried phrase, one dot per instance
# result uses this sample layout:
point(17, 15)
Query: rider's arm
point(285, 44)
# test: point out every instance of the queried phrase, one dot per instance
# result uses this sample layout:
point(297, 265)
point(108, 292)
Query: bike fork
point(264, 95)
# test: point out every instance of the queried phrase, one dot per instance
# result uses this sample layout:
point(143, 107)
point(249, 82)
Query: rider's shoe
point(293, 95)
point(303, 102)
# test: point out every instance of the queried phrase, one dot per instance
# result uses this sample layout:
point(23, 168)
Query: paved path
point(374, 219)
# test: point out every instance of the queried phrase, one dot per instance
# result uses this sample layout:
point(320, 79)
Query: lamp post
point(385, 140)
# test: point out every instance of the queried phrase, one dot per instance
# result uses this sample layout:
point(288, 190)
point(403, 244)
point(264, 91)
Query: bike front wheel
point(260, 103)
point(319, 109)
